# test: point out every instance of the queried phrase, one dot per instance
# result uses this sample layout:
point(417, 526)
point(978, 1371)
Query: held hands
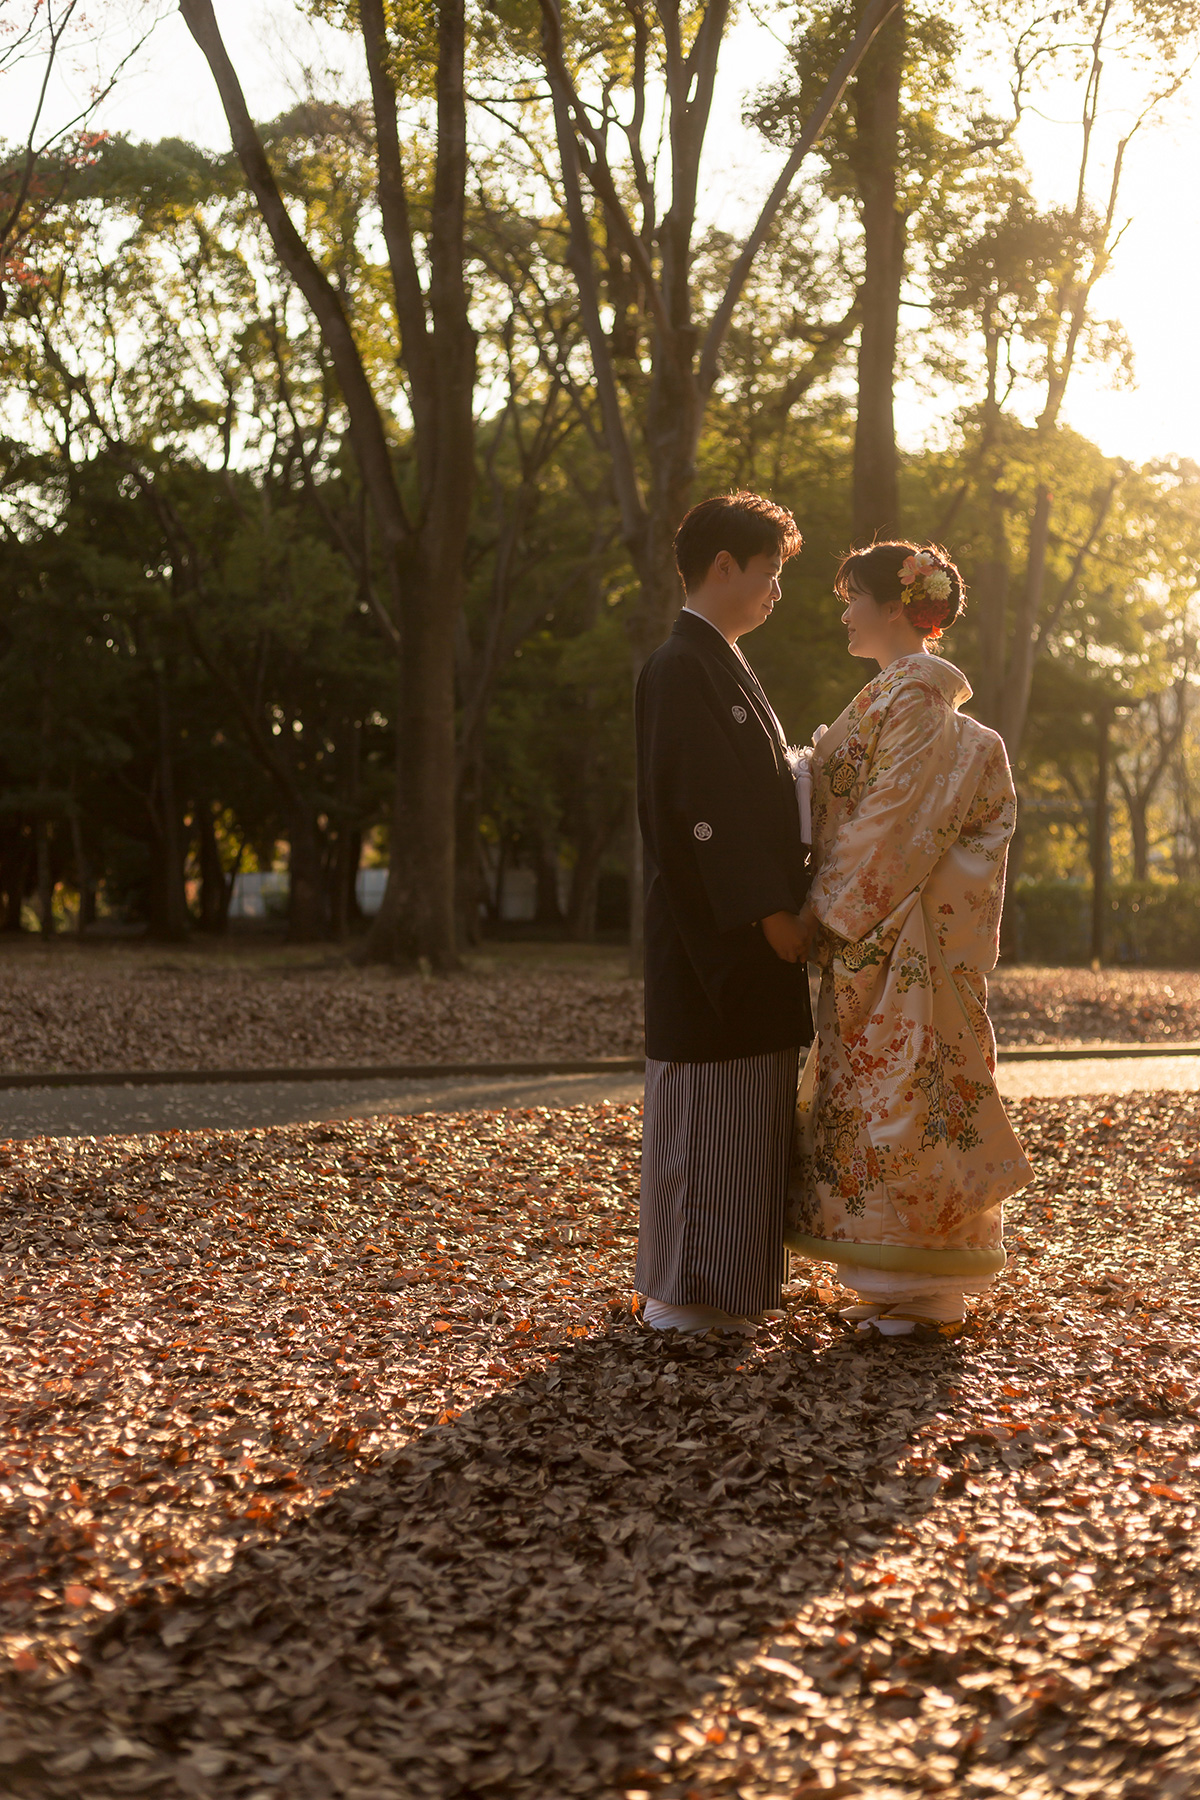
point(791, 935)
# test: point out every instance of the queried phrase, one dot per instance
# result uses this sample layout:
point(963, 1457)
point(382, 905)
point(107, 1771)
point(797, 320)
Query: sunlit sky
point(1151, 288)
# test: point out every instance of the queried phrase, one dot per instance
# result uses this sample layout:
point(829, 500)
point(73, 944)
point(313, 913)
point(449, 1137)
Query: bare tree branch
point(875, 16)
point(366, 425)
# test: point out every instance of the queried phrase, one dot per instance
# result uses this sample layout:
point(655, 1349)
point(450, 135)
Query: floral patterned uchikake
point(905, 1154)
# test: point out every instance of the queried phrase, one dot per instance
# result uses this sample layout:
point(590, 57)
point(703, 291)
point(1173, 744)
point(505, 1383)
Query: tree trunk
point(307, 922)
point(1018, 678)
point(83, 879)
point(45, 876)
point(581, 901)
point(1100, 836)
point(674, 416)
point(14, 874)
point(214, 889)
point(1138, 806)
point(416, 919)
point(170, 919)
point(591, 847)
point(342, 907)
point(993, 577)
point(547, 911)
point(426, 562)
point(342, 904)
point(468, 876)
point(885, 232)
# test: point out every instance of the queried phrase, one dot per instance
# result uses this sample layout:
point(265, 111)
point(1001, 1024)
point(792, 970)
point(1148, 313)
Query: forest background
point(338, 471)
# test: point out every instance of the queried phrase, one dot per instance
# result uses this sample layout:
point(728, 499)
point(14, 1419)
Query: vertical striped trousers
point(716, 1148)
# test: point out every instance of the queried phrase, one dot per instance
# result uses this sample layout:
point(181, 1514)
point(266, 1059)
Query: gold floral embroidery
point(843, 1157)
point(862, 955)
point(952, 1102)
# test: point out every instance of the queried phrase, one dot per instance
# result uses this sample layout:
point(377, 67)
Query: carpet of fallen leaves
point(1076, 1006)
point(127, 1013)
point(334, 1464)
point(142, 1017)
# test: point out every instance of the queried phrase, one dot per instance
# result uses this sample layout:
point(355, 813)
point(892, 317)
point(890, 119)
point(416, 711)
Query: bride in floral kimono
point(904, 1154)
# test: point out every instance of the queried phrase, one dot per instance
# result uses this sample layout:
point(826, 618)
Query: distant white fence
point(265, 895)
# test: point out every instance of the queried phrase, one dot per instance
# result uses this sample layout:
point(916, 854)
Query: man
point(727, 1005)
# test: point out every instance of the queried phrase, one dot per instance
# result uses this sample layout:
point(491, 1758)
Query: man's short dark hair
point(744, 524)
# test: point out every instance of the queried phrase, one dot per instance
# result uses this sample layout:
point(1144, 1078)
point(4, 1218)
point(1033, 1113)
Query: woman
point(905, 1153)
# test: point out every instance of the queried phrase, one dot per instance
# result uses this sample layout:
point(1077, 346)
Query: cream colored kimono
point(904, 1152)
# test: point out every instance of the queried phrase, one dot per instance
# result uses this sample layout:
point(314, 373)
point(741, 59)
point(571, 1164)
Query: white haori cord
point(800, 762)
point(940, 1297)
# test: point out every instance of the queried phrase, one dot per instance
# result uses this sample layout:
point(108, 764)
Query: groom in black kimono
point(727, 1005)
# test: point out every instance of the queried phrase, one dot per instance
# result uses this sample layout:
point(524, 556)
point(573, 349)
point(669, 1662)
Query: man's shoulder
point(675, 664)
point(686, 654)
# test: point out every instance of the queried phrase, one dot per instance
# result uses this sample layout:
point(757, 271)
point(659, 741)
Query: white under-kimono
point(904, 1153)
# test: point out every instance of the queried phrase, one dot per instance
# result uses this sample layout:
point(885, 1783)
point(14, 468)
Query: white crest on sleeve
point(740, 714)
point(703, 831)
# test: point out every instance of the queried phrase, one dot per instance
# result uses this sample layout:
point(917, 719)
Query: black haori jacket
point(717, 804)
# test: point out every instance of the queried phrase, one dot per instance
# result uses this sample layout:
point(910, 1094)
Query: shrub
point(1148, 922)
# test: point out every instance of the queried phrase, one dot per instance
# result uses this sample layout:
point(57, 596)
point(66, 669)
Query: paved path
point(97, 1111)
point(1099, 1075)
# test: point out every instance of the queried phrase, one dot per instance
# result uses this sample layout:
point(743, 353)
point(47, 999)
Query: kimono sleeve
point(696, 803)
point(909, 812)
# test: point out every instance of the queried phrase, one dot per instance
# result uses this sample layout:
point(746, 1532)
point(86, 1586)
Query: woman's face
point(870, 627)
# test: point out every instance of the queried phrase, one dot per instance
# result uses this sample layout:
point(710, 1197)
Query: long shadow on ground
point(523, 1600)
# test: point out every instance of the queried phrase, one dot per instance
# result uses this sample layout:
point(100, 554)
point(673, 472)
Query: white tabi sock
point(662, 1316)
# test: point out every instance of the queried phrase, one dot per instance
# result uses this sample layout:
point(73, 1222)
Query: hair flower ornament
point(929, 588)
point(916, 567)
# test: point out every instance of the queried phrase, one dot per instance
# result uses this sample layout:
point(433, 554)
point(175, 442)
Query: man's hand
point(790, 935)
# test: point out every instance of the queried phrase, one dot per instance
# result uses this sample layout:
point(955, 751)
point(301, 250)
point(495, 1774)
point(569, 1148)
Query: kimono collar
point(704, 633)
point(936, 672)
point(694, 625)
point(706, 636)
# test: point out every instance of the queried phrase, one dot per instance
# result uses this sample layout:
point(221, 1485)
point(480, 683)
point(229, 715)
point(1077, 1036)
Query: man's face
point(753, 591)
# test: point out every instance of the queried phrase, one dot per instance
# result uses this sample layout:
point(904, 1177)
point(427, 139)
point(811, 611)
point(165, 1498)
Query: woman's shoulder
point(911, 685)
point(923, 672)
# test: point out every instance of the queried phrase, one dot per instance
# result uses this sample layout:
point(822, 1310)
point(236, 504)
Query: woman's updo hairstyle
point(922, 575)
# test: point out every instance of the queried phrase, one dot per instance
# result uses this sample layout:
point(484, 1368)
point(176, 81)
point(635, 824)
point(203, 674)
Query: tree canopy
point(338, 471)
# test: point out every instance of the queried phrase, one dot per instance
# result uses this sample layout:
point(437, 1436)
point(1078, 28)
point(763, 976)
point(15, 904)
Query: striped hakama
point(716, 1151)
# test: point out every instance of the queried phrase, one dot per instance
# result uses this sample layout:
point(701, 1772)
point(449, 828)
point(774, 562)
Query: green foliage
point(191, 583)
point(1156, 923)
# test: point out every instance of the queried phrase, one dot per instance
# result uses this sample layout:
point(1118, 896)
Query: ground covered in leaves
point(335, 1464)
point(1072, 1006)
point(101, 1010)
point(124, 1013)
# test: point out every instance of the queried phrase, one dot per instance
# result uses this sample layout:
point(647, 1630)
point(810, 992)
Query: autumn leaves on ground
point(335, 1464)
point(118, 1007)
